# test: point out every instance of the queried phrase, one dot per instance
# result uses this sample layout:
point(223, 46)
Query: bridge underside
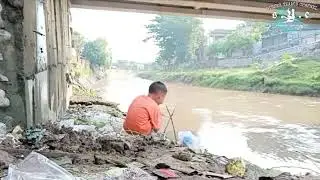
point(234, 9)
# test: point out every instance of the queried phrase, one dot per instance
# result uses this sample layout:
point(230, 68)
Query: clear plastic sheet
point(37, 167)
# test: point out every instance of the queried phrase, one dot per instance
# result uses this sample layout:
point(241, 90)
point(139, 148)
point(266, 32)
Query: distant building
point(218, 34)
point(128, 65)
point(273, 40)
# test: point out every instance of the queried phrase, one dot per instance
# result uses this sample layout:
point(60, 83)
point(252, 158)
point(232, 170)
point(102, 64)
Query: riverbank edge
point(260, 84)
point(96, 100)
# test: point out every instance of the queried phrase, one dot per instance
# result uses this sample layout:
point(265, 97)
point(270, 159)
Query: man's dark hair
point(157, 86)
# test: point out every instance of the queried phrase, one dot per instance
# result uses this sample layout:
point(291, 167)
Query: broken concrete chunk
point(62, 160)
point(10, 141)
point(2, 93)
point(17, 132)
point(1, 21)
point(3, 78)
point(1, 56)
point(183, 156)
point(4, 102)
point(3, 130)
point(5, 159)
point(8, 121)
point(4, 35)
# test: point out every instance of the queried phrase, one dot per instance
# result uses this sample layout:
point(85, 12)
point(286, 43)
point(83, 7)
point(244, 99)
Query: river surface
point(268, 130)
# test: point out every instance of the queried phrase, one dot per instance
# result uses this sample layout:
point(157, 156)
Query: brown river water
point(268, 130)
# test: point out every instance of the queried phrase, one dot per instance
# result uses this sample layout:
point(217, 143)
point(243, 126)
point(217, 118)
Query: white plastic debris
point(37, 167)
point(128, 174)
point(89, 128)
point(67, 123)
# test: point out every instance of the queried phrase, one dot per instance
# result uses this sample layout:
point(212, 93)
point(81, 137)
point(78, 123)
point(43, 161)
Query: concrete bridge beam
point(234, 9)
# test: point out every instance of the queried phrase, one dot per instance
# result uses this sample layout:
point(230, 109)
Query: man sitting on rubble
point(144, 116)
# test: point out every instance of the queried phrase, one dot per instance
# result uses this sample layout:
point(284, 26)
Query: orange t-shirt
point(143, 116)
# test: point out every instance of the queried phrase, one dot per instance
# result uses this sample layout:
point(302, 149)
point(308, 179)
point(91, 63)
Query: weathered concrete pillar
point(34, 43)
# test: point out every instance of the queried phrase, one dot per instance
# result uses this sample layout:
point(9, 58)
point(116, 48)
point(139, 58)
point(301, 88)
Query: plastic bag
point(37, 167)
point(186, 138)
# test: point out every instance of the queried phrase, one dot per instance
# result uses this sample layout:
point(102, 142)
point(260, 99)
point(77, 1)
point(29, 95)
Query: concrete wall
point(310, 49)
point(12, 108)
point(35, 44)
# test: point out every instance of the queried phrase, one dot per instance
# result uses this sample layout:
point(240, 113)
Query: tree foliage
point(78, 41)
point(179, 38)
point(97, 52)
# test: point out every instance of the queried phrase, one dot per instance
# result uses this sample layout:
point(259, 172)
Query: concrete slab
point(4, 35)
point(4, 102)
point(3, 78)
point(41, 97)
point(29, 85)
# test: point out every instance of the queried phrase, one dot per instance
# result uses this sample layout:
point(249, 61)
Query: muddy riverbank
point(89, 143)
point(266, 129)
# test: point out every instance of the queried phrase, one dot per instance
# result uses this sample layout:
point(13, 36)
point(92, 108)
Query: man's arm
point(156, 120)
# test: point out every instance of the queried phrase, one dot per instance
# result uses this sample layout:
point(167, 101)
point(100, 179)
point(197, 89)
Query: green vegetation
point(78, 41)
point(82, 71)
point(183, 46)
point(180, 39)
point(98, 124)
point(81, 91)
point(97, 52)
point(290, 76)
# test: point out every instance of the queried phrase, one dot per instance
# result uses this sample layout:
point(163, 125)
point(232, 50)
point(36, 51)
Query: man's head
point(158, 92)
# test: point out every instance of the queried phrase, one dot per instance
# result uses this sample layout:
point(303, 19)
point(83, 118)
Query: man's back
point(143, 116)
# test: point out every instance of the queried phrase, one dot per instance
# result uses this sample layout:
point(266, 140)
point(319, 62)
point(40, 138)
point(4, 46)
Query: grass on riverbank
point(298, 77)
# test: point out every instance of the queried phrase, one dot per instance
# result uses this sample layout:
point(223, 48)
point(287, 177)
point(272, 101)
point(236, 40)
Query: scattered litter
point(128, 174)
point(89, 128)
point(165, 173)
point(33, 136)
point(189, 140)
point(162, 166)
point(67, 123)
point(17, 132)
point(223, 176)
point(236, 167)
point(183, 156)
point(37, 167)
